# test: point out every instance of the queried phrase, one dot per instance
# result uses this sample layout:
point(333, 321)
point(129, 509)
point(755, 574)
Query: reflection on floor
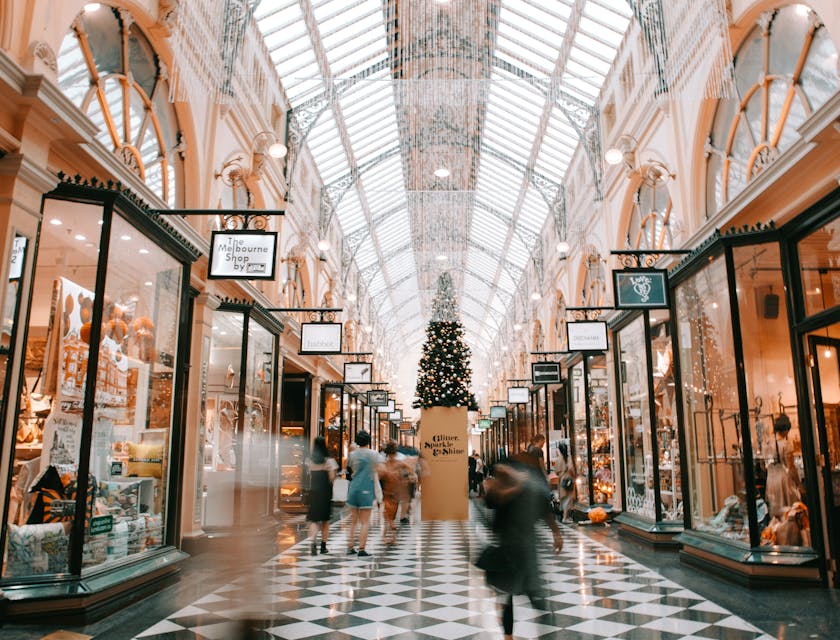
point(425, 587)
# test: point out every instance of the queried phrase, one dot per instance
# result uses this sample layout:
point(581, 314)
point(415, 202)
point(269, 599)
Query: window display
point(711, 409)
point(294, 436)
point(665, 407)
point(635, 403)
point(768, 368)
point(580, 436)
point(238, 441)
point(96, 395)
point(603, 479)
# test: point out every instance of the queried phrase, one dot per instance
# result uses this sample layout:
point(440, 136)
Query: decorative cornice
point(116, 188)
point(35, 176)
point(40, 50)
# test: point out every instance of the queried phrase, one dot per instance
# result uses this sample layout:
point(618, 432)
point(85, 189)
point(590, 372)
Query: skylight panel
point(607, 16)
point(542, 62)
point(489, 229)
point(366, 255)
point(524, 39)
point(533, 22)
point(533, 212)
point(518, 253)
point(596, 63)
point(600, 32)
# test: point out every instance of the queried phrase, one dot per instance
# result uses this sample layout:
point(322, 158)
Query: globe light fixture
point(277, 150)
point(90, 7)
point(324, 245)
point(442, 172)
point(441, 257)
point(517, 327)
point(563, 247)
point(613, 155)
point(536, 295)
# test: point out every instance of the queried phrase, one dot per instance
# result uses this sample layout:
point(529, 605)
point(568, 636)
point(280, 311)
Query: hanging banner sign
point(498, 412)
point(243, 255)
point(16, 261)
point(545, 373)
point(377, 398)
point(518, 395)
point(640, 289)
point(387, 408)
point(407, 428)
point(320, 338)
point(586, 335)
point(395, 415)
point(358, 372)
point(484, 423)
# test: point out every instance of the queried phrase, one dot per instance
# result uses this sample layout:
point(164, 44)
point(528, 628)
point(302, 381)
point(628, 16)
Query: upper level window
point(784, 71)
point(108, 68)
point(650, 221)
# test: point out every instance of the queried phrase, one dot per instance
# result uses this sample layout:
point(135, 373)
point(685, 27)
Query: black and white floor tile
point(425, 588)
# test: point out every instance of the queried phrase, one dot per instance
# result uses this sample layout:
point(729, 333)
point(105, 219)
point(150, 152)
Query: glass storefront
point(294, 438)
point(94, 444)
point(239, 440)
point(647, 400)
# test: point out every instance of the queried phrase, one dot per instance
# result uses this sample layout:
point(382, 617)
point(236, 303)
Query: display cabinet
point(294, 438)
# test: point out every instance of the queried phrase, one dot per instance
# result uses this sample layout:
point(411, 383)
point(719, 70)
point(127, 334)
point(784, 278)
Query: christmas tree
point(444, 374)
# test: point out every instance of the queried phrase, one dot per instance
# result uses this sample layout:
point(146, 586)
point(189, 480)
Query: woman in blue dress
point(362, 494)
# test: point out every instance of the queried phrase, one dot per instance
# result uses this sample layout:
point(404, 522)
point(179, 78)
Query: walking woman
point(520, 498)
point(565, 471)
point(361, 495)
point(321, 475)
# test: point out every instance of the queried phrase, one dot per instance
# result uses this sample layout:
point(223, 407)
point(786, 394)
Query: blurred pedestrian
point(565, 471)
point(322, 471)
point(361, 495)
point(395, 476)
point(520, 498)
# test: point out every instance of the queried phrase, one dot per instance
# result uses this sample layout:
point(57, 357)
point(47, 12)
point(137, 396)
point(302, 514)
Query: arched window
point(650, 220)
point(594, 281)
point(784, 71)
point(110, 71)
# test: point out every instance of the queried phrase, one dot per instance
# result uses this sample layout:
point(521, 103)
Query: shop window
point(635, 402)
point(108, 68)
point(650, 221)
point(768, 369)
point(238, 448)
point(580, 436)
point(125, 439)
point(819, 260)
point(603, 480)
point(710, 404)
point(784, 71)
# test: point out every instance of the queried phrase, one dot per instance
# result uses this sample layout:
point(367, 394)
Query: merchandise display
point(128, 435)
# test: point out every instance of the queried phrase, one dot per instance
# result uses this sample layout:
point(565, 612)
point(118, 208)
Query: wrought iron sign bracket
point(639, 258)
point(587, 313)
point(315, 314)
point(232, 219)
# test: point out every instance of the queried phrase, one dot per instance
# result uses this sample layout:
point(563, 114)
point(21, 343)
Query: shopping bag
point(339, 490)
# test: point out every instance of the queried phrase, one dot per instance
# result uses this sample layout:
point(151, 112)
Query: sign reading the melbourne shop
point(243, 255)
point(498, 411)
point(320, 338)
point(545, 373)
point(640, 289)
point(588, 335)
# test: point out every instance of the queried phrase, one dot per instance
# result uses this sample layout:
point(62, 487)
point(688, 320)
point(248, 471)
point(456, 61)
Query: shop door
point(825, 356)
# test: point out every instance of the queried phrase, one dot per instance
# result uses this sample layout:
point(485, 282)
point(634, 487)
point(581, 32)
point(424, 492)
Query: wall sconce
point(624, 150)
point(265, 142)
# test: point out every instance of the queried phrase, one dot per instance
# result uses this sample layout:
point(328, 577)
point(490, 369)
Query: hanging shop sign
point(243, 255)
point(386, 408)
point(377, 398)
point(498, 412)
point(407, 428)
point(16, 261)
point(395, 415)
point(484, 423)
point(358, 373)
point(640, 289)
point(545, 373)
point(518, 395)
point(586, 335)
point(320, 338)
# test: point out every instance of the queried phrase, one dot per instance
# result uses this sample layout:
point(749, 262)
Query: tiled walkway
point(425, 587)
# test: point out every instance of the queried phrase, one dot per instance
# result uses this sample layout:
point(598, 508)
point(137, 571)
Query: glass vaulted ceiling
point(515, 51)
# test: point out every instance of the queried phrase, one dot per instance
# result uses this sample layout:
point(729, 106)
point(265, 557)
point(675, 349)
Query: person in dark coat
point(322, 470)
point(520, 498)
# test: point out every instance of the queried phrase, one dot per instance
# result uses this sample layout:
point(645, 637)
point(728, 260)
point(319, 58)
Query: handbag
point(567, 483)
point(340, 488)
point(500, 568)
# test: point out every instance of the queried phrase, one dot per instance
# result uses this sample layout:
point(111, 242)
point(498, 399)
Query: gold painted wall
point(444, 446)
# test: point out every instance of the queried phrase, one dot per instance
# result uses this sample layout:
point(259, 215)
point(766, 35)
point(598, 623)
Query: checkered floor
point(425, 587)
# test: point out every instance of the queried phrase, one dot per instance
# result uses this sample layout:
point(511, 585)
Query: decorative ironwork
point(635, 259)
point(587, 313)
